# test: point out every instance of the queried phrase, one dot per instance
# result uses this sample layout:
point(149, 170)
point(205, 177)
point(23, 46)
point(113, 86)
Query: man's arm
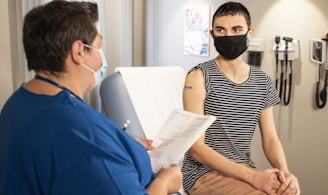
point(274, 152)
point(270, 142)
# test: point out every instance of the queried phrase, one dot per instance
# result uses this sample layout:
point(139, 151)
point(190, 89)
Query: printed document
point(179, 132)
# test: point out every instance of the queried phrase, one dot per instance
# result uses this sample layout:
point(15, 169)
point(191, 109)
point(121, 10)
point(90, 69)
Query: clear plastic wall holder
point(256, 44)
point(293, 49)
point(255, 51)
point(318, 51)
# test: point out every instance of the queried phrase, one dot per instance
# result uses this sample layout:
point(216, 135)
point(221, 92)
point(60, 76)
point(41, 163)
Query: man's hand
point(289, 184)
point(267, 181)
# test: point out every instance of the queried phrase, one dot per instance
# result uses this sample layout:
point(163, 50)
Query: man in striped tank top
point(240, 96)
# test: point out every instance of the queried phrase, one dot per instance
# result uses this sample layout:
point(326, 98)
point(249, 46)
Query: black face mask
point(230, 47)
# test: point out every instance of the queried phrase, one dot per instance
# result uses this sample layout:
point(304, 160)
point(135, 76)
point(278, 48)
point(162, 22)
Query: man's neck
point(236, 70)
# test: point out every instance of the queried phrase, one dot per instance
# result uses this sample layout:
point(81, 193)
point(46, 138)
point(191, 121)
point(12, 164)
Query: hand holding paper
point(179, 132)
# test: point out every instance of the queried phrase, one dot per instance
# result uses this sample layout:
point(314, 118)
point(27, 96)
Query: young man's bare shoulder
point(195, 74)
point(194, 79)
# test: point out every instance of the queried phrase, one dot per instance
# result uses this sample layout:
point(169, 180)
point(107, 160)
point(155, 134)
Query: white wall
point(6, 84)
point(302, 128)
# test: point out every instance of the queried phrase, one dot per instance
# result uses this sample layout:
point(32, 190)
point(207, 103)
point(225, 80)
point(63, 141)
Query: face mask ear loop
point(247, 39)
point(88, 46)
point(99, 51)
point(88, 68)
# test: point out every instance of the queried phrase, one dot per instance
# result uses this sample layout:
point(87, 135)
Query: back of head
point(49, 31)
point(232, 8)
point(91, 8)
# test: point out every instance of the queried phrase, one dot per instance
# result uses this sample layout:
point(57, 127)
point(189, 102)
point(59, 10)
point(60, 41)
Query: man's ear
point(212, 33)
point(77, 52)
point(251, 32)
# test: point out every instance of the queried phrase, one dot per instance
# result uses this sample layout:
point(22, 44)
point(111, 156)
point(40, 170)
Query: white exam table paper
point(154, 92)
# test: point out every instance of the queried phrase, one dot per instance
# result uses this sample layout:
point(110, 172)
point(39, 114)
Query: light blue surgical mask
point(101, 73)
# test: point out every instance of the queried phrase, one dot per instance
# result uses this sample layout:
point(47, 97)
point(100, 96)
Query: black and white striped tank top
point(237, 108)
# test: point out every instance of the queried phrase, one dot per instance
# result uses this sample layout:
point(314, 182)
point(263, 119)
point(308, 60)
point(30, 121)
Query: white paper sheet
point(179, 132)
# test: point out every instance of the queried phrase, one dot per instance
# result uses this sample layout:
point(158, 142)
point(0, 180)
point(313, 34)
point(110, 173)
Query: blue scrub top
point(59, 145)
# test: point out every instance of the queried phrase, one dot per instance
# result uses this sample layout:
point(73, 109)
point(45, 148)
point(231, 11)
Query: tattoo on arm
point(188, 87)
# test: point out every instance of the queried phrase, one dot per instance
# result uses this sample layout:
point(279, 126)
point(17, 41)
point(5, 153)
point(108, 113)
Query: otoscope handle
point(287, 39)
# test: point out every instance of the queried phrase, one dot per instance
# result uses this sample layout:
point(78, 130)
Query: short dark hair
point(232, 8)
point(91, 8)
point(49, 31)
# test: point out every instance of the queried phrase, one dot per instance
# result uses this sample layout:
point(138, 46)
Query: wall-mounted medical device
point(287, 45)
point(318, 51)
point(255, 51)
point(319, 55)
point(286, 50)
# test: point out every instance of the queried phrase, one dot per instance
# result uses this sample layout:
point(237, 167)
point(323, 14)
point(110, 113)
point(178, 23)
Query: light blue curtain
point(20, 72)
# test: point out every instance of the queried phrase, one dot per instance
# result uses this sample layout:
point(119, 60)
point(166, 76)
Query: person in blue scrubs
point(51, 141)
